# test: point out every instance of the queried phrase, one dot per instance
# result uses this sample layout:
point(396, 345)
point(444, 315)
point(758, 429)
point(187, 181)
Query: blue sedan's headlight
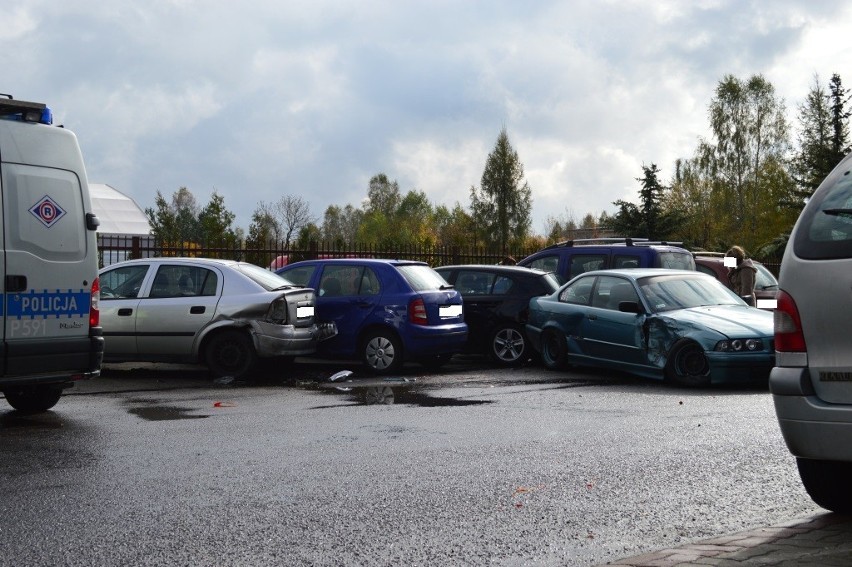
point(739, 345)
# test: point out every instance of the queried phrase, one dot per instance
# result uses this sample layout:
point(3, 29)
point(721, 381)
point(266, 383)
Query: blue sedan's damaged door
point(609, 334)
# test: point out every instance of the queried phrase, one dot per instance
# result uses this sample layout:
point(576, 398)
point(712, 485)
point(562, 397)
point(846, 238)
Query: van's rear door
point(49, 258)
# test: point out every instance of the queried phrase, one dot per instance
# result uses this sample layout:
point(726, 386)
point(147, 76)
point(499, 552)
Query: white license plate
point(448, 311)
point(303, 312)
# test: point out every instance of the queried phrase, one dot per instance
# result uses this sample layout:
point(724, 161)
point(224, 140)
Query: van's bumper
point(53, 362)
point(812, 428)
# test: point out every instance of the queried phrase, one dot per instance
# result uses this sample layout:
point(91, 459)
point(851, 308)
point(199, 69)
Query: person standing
point(742, 275)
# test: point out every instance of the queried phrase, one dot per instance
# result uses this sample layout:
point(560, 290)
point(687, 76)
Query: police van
point(51, 334)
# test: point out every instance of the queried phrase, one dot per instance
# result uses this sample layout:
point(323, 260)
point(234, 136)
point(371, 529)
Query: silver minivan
point(811, 383)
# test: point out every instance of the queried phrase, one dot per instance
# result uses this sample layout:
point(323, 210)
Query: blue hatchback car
point(387, 311)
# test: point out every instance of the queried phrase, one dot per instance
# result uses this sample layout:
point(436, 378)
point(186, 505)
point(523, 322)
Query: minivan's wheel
point(554, 349)
point(230, 353)
point(508, 346)
point(827, 483)
point(687, 365)
point(33, 399)
point(381, 352)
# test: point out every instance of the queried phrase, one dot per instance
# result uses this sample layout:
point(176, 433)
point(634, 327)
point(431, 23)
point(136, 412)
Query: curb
point(824, 539)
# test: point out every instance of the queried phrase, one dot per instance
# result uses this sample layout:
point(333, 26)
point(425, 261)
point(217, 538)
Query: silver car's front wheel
point(381, 352)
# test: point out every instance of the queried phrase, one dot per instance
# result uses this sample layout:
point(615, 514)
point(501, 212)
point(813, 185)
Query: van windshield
point(675, 261)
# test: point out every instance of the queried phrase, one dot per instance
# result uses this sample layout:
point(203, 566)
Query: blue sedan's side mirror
point(629, 307)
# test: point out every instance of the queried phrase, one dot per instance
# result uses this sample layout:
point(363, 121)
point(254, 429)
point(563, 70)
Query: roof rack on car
point(24, 111)
point(593, 241)
point(659, 243)
point(710, 254)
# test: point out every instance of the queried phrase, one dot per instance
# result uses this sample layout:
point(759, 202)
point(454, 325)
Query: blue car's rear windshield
point(667, 293)
point(421, 278)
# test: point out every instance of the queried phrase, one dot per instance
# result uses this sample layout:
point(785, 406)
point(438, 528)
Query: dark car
point(682, 326)
point(765, 284)
point(386, 311)
point(496, 304)
point(574, 257)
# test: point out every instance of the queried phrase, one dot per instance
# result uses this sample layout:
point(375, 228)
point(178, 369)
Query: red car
point(765, 284)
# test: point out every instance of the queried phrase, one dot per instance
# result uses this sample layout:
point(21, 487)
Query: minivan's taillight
point(95, 305)
point(788, 325)
point(417, 312)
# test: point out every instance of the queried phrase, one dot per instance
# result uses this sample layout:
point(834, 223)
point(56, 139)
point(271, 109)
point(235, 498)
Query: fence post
point(134, 248)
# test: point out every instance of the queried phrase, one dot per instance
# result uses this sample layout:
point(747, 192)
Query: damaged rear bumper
point(271, 339)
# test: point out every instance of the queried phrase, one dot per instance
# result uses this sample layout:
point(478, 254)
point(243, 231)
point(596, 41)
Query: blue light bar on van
point(46, 116)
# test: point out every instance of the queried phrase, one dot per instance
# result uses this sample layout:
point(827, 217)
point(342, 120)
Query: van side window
point(581, 263)
point(625, 262)
point(545, 263)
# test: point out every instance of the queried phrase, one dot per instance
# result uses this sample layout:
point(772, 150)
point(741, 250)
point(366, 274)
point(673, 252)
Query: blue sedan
point(682, 326)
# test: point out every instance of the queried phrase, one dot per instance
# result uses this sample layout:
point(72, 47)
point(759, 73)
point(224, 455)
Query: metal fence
point(114, 249)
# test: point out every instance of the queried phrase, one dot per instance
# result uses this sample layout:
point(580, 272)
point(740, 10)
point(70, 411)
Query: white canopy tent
point(118, 213)
point(124, 226)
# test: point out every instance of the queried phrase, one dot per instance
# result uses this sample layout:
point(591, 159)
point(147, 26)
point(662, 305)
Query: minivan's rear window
point(825, 227)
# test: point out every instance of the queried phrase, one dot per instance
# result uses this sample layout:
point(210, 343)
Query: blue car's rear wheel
point(687, 365)
point(381, 352)
point(554, 349)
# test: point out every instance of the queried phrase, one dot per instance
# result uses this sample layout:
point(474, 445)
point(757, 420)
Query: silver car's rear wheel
point(230, 353)
point(381, 352)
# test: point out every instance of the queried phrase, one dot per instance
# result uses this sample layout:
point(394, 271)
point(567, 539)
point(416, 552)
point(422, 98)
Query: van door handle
point(593, 317)
point(16, 283)
point(197, 309)
point(125, 312)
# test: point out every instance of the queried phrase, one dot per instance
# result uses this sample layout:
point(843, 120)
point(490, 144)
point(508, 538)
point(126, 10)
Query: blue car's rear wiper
point(835, 212)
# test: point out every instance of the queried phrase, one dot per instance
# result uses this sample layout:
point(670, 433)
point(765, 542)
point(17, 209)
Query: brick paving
point(822, 540)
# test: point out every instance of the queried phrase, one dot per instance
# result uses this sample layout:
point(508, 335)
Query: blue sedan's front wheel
point(554, 349)
point(687, 365)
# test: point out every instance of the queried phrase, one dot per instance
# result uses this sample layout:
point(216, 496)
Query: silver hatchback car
point(221, 313)
point(811, 383)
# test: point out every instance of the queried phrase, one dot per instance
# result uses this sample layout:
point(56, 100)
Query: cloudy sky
point(260, 98)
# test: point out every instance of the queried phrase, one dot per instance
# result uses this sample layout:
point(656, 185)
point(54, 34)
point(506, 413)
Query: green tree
point(649, 219)
point(454, 226)
point(215, 223)
point(340, 225)
point(751, 146)
point(175, 223)
point(823, 137)
point(502, 206)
